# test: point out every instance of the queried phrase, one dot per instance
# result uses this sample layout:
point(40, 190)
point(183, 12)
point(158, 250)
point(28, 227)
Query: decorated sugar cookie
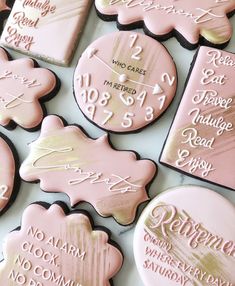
point(124, 81)
point(46, 29)
point(186, 236)
point(65, 160)
point(53, 248)
point(201, 141)
point(23, 88)
point(9, 180)
point(192, 22)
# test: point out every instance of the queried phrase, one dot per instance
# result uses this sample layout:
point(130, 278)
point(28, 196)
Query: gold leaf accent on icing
point(73, 8)
point(104, 3)
point(207, 260)
point(214, 37)
point(175, 138)
point(117, 203)
point(80, 161)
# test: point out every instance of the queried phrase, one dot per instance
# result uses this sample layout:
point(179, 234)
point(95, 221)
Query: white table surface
point(154, 136)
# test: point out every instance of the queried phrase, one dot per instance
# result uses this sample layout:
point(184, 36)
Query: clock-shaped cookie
point(124, 81)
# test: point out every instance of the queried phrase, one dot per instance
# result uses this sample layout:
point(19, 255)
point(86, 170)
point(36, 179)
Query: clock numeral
point(136, 54)
point(3, 192)
point(84, 95)
point(138, 49)
point(90, 96)
point(127, 119)
point(93, 95)
point(91, 109)
point(149, 113)
point(162, 100)
point(128, 101)
point(106, 96)
point(141, 97)
point(109, 116)
point(168, 78)
point(84, 79)
point(134, 38)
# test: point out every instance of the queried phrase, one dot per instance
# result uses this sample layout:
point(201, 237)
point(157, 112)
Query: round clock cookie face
point(124, 81)
point(186, 236)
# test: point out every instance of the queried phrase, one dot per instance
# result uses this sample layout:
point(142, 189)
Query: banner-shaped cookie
point(201, 141)
point(53, 248)
point(65, 160)
point(191, 22)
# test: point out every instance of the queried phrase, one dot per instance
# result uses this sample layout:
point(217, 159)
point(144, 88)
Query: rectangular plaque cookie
point(47, 29)
point(201, 141)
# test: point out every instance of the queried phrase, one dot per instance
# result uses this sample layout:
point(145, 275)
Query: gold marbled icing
point(97, 262)
point(65, 160)
point(202, 257)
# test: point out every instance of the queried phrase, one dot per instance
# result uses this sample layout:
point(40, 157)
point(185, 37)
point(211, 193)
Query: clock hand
point(92, 53)
point(123, 77)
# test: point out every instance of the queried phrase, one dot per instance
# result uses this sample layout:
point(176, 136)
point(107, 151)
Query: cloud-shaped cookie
point(52, 248)
point(23, 88)
point(190, 21)
point(65, 160)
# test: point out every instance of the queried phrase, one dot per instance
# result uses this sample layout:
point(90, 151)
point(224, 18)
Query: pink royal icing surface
point(186, 236)
point(124, 81)
point(65, 160)
point(48, 29)
point(202, 134)
point(3, 5)
point(191, 19)
point(58, 249)
point(21, 87)
point(7, 174)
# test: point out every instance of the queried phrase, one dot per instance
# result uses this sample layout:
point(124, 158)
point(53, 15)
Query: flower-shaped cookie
point(65, 160)
point(204, 21)
point(52, 248)
point(23, 88)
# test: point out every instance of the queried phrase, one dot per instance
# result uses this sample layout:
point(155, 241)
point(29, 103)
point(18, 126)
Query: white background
point(147, 143)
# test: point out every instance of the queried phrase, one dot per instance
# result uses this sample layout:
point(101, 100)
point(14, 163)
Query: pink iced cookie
point(204, 21)
point(186, 236)
point(4, 11)
point(9, 181)
point(201, 141)
point(46, 29)
point(23, 87)
point(52, 248)
point(124, 81)
point(3, 6)
point(65, 160)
